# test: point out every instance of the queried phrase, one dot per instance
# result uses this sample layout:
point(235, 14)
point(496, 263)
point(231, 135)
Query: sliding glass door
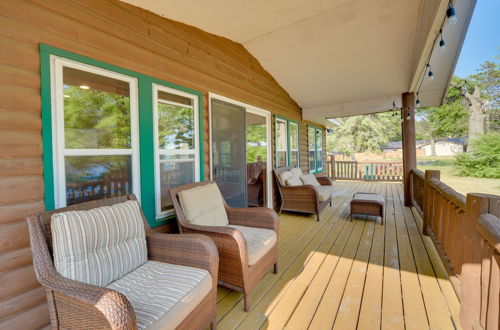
point(228, 151)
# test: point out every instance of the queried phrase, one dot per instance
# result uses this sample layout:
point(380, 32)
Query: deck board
point(349, 274)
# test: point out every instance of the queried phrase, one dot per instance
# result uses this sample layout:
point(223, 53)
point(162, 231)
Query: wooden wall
point(119, 34)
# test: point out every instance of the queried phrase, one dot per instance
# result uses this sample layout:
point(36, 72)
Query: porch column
point(409, 145)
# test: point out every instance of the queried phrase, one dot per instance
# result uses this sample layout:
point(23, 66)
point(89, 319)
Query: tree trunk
point(477, 116)
point(433, 147)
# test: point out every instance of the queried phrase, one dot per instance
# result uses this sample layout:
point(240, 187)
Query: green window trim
point(146, 142)
point(316, 144)
point(288, 140)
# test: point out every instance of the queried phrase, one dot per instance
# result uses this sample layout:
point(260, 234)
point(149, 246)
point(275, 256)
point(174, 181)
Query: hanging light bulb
point(408, 116)
point(430, 74)
point(442, 44)
point(451, 14)
point(417, 102)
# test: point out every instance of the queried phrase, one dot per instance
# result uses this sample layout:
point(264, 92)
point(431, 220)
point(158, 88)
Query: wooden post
point(332, 163)
point(409, 144)
point(470, 296)
point(427, 198)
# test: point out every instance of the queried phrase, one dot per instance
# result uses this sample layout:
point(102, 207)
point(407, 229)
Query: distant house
point(443, 147)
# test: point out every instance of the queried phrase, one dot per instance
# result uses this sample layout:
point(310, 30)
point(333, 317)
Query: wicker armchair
point(77, 305)
point(305, 198)
point(234, 270)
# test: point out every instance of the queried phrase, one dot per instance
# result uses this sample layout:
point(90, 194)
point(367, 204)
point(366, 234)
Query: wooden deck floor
point(346, 275)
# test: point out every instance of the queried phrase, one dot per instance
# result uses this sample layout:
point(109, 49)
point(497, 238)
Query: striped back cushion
point(100, 245)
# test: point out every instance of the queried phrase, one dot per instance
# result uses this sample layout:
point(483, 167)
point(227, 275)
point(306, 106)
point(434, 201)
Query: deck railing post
point(470, 296)
point(409, 143)
point(427, 198)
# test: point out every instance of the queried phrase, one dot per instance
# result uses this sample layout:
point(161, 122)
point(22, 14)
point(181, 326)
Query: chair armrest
point(72, 302)
point(93, 306)
point(260, 217)
point(229, 241)
point(192, 250)
point(324, 180)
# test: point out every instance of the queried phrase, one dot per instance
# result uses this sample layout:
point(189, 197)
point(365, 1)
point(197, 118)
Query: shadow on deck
point(350, 274)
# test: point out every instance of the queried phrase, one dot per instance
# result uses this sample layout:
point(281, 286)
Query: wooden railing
point(364, 170)
point(466, 233)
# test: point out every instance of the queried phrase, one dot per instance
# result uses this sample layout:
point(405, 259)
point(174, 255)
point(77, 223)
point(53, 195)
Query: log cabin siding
point(122, 35)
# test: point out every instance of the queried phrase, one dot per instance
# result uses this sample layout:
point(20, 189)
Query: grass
point(449, 175)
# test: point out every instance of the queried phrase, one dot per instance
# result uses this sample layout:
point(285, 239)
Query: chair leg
point(317, 216)
point(246, 302)
point(213, 325)
point(275, 270)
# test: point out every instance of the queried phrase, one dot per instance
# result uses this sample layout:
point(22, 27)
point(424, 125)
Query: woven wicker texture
point(301, 198)
point(234, 271)
point(76, 305)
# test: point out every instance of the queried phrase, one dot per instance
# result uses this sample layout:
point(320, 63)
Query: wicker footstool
point(368, 204)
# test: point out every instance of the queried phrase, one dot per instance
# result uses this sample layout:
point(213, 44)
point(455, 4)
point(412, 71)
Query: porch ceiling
point(338, 57)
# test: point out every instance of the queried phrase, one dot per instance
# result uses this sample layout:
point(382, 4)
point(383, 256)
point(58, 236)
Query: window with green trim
point(315, 149)
point(287, 142)
point(294, 143)
point(281, 142)
point(92, 129)
point(176, 143)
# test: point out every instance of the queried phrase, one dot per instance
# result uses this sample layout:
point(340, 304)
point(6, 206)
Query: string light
point(442, 44)
point(417, 102)
point(451, 15)
point(430, 74)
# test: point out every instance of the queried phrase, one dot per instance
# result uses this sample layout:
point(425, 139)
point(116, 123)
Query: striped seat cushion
point(100, 245)
point(163, 295)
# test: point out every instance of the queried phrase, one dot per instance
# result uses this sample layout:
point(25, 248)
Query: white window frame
point(292, 123)
point(58, 141)
point(319, 147)
point(159, 152)
point(309, 150)
point(276, 120)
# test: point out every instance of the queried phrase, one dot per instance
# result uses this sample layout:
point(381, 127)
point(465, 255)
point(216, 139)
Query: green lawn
point(461, 184)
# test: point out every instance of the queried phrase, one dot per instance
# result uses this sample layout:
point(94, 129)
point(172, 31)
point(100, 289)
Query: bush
point(484, 161)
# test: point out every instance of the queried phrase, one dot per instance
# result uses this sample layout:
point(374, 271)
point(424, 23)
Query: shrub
point(484, 161)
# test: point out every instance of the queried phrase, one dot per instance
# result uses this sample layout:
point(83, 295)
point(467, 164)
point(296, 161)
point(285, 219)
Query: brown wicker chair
point(301, 198)
point(234, 271)
point(77, 305)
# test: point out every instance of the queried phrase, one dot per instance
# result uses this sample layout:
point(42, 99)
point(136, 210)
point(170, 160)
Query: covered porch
point(342, 274)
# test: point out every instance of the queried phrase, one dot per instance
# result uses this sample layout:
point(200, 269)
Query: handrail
point(488, 225)
point(449, 193)
point(466, 233)
point(418, 173)
point(364, 170)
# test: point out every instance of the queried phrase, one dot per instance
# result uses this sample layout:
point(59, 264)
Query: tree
point(487, 79)
point(448, 120)
point(484, 160)
point(364, 133)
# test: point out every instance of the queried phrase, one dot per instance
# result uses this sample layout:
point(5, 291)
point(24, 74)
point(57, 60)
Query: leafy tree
point(484, 161)
point(256, 143)
point(487, 79)
point(96, 119)
point(364, 133)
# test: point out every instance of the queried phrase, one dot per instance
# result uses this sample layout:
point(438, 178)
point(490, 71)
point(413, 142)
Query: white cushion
point(293, 182)
point(259, 241)
point(324, 192)
point(162, 294)
point(283, 176)
point(296, 172)
point(204, 206)
point(310, 179)
point(100, 245)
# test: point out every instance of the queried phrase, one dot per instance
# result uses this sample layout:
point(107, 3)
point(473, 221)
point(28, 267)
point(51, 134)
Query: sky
point(482, 42)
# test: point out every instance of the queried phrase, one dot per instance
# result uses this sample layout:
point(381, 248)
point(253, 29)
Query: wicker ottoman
point(368, 204)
